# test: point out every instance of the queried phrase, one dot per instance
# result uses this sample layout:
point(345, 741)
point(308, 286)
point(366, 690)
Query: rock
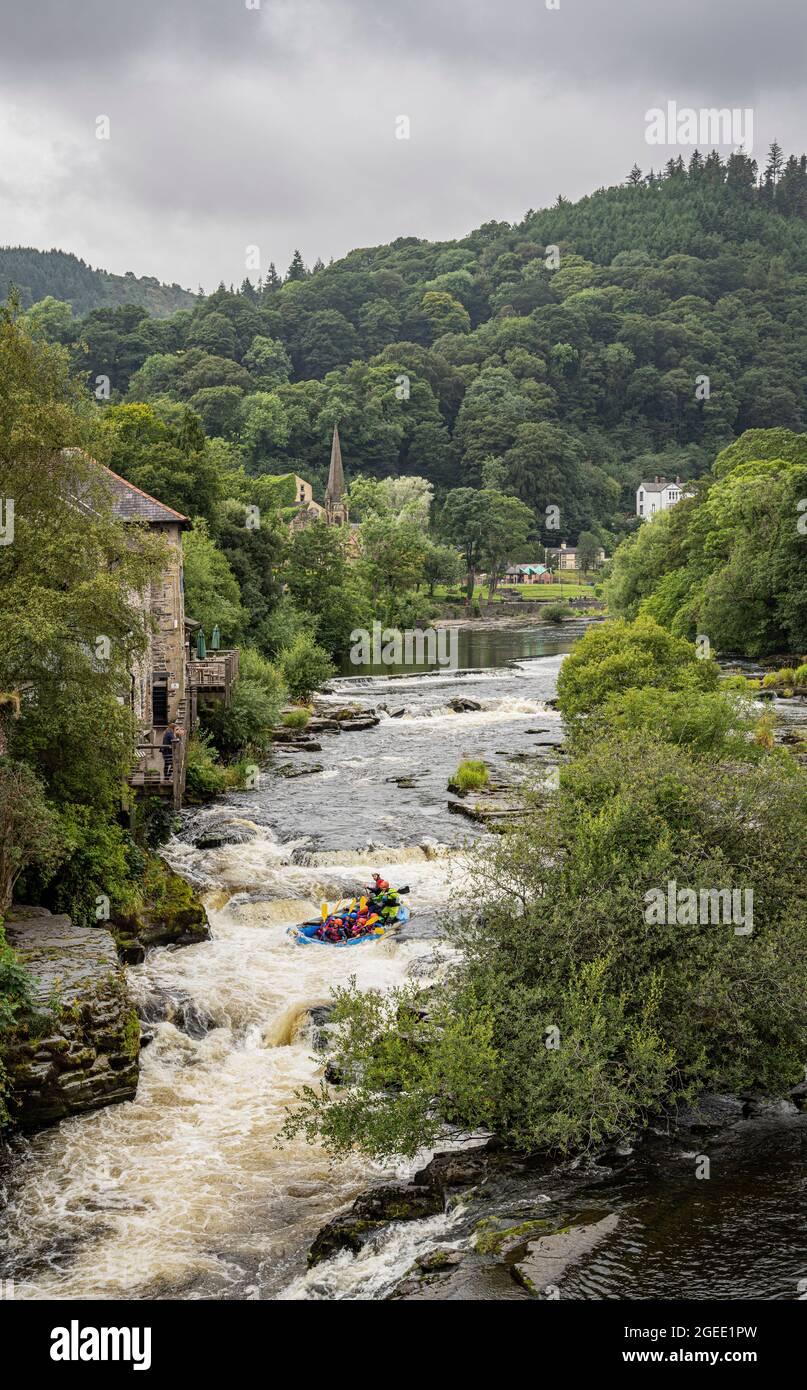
point(296, 740)
point(462, 705)
point(799, 1095)
point(397, 713)
point(710, 1114)
point(320, 1017)
point(289, 770)
point(80, 1049)
point(162, 1006)
point(364, 721)
point(320, 725)
point(547, 1258)
point(369, 1213)
point(455, 1168)
point(222, 831)
point(174, 916)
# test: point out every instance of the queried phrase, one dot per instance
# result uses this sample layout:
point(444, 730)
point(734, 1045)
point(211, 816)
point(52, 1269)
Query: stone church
point(335, 512)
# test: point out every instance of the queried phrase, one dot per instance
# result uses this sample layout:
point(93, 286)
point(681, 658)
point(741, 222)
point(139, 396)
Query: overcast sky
point(275, 125)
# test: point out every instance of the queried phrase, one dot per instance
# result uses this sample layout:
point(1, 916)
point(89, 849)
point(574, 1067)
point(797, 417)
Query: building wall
point(168, 610)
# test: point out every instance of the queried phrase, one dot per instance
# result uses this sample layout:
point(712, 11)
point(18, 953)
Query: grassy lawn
point(551, 592)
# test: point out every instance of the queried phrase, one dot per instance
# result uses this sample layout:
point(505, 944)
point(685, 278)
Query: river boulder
point(369, 1213)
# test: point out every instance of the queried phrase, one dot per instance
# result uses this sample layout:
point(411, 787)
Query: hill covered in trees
point(37, 274)
point(637, 331)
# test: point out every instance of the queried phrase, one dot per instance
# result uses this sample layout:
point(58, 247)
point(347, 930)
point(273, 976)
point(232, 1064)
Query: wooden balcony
point(215, 676)
point(149, 774)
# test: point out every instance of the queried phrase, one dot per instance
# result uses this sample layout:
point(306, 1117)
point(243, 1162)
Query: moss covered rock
point(171, 915)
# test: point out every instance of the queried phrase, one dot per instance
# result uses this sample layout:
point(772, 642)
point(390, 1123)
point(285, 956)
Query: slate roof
point(129, 503)
point(662, 486)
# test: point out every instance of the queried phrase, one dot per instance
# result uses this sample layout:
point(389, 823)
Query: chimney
point(657, 478)
point(678, 479)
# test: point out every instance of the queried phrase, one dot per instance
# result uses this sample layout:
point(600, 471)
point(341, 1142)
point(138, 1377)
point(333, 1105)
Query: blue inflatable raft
point(305, 933)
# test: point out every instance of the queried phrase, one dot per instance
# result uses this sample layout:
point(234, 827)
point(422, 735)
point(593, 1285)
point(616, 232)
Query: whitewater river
point(183, 1193)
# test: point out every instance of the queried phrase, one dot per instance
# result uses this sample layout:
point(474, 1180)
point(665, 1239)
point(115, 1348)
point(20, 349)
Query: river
point(184, 1193)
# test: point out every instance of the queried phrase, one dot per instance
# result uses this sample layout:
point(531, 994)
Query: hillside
point(670, 319)
point(37, 274)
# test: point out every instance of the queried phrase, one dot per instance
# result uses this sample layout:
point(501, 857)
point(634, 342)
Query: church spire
point(334, 492)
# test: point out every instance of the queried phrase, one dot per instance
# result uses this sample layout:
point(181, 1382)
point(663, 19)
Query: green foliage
point(471, 775)
point(296, 718)
point(29, 828)
point(100, 862)
point(246, 723)
point(212, 592)
point(67, 578)
point(731, 562)
point(306, 667)
point(49, 273)
point(397, 1060)
point(556, 613)
point(205, 778)
point(321, 584)
point(618, 656)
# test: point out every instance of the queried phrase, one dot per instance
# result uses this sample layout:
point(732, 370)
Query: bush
point(15, 998)
point(556, 613)
point(617, 656)
point(29, 828)
point(247, 722)
point(471, 775)
point(305, 666)
point(101, 861)
point(205, 778)
point(280, 628)
point(296, 718)
point(800, 675)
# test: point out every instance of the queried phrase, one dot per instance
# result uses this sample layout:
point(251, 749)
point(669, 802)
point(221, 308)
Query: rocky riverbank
point(79, 1049)
point(488, 1223)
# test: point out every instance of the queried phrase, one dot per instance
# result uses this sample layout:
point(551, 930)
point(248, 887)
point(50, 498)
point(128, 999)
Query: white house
point(659, 495)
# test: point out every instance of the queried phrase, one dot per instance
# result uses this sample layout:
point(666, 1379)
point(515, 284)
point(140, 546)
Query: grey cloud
point(231, 127)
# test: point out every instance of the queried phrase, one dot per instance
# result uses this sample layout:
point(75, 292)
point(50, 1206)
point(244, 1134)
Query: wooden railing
point(149, 769)
point(216, 674)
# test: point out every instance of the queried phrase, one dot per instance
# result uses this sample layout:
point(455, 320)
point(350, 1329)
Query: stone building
point(335, 512)
point(166, 681)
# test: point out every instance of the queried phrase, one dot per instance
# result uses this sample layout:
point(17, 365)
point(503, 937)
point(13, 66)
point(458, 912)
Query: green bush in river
point(471, 775)
point(556, 612)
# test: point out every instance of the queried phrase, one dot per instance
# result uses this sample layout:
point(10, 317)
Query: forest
point(637, 331)
point(37, 274)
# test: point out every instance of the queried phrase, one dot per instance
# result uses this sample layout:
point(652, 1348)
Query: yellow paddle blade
point(324, 911)
point(352, 904)
point(363, 904)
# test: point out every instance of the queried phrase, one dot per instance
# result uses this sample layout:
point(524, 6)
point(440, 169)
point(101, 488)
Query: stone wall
point(81, 1049)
